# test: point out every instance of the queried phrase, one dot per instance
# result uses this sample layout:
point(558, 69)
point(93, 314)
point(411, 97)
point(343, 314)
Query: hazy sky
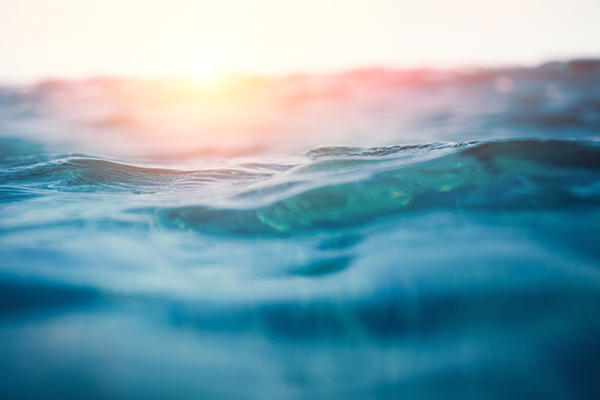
point(147, 38)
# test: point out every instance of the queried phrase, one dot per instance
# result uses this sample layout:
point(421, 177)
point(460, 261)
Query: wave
point(496, 176)
point(336, 186)
point(84, 173)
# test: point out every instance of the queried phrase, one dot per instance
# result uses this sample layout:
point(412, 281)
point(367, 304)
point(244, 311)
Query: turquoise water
point(462, 267)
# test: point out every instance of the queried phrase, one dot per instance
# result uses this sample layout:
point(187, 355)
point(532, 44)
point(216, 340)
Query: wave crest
point(495, 176)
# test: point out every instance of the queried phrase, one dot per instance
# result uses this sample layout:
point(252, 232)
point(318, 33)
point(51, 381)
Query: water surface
point(367, 236)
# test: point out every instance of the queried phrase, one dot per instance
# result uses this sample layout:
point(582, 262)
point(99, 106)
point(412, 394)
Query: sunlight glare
point(204, 72)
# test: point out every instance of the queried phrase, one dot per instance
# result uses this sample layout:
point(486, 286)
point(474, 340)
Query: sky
point(153, 38)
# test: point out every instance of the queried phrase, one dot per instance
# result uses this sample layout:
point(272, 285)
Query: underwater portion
point(370, 235)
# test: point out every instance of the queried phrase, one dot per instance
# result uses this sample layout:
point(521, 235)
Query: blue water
point(374, 235)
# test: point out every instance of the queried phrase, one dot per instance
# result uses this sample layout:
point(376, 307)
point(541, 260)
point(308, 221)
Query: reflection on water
point(375, 234)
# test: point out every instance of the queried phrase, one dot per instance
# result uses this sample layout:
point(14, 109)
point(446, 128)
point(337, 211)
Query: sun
point(204, 72)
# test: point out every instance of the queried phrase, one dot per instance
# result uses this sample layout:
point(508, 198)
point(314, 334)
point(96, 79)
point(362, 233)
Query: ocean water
point(369, 235)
